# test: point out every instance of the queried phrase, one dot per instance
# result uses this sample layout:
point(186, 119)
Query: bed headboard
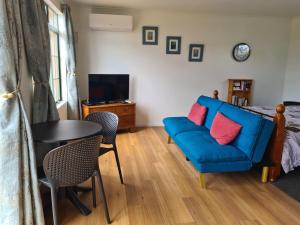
point(277, 142)
point(290, 103)
point(216, 94)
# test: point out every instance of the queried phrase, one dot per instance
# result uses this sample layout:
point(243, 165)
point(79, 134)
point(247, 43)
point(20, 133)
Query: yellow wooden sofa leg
point(169, 139)
point(264, 175)
point(202, 180)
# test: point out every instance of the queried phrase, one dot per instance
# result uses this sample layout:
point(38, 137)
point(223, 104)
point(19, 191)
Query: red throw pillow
point(197, 114)
point(224, 130)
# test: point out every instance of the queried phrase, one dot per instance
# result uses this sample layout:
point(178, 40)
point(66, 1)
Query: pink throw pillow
point(197, 114)
point(224, 130)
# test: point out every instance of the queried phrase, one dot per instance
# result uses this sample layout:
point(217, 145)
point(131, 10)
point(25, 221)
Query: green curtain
point(72, 88)
point(20, 202)
point(37, 46)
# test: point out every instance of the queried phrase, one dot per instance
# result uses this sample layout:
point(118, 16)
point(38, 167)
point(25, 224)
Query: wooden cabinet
point(125, 112)
point(239, 92)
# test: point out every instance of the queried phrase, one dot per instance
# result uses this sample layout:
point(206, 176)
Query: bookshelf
point(239, 91)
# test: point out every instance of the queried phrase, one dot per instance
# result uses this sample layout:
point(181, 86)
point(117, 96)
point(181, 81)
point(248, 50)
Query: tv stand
point(117, 102)
point(125, 112)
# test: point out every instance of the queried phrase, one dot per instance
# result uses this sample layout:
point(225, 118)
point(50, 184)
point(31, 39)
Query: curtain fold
point(37, 46)
point(72, 88)
point(19, 192)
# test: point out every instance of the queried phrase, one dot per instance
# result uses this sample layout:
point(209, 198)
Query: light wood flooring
point(161, 187)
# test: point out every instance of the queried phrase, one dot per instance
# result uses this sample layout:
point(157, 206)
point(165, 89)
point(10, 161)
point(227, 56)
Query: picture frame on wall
point(150, 35)
point(196, 52)
point(173, 45)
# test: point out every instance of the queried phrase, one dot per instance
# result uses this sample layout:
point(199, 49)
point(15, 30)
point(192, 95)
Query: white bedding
point(291, 149)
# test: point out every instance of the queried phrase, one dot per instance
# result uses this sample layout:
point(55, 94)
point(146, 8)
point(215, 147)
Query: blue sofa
point(206, 154)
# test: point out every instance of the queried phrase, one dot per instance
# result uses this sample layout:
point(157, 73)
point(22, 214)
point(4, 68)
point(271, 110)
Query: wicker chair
point(70, 165)
point(109, 122)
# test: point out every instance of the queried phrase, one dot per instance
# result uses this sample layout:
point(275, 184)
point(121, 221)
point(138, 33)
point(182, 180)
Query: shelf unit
point(239, 91)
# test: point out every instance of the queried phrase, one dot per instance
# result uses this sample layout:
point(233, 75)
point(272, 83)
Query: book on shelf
point(240, 101)
point(239, 91)
point(243, 85)
point(236, 86)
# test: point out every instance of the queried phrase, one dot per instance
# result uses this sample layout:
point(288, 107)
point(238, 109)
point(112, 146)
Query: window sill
point(62, 109)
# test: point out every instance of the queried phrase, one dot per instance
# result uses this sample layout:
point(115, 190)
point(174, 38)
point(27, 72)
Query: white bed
point(291, 149)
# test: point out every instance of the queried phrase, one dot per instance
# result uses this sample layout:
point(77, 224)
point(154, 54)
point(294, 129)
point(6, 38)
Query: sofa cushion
point(212, 106)
point(251, 127)
point(224, 130)
point(200, 146)
point(263, 140)
point(176, 125)
point(218, 167)
point(197, 114)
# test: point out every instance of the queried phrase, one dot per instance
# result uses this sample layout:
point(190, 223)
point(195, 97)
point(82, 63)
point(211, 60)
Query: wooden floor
point(161, 187)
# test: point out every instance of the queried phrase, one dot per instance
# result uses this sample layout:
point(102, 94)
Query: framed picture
point(150, 35)
point(196, 52)
point(173, 45)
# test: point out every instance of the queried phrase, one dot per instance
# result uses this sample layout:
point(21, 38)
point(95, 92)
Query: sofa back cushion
point(197, 114)
point(250, 131)
point(212, 106)
point(263, 140)
point(224, 130)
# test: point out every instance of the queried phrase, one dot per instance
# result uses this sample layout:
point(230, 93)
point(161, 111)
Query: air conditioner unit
point(110, 22)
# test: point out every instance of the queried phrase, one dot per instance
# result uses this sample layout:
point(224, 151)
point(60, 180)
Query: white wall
point(292, 78)
point(164, 85)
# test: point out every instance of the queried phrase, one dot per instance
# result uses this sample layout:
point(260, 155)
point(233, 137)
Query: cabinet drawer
point(124, 110)
point(102, 110)
point(126, 121)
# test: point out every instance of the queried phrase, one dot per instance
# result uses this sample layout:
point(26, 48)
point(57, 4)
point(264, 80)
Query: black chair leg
point(102, 195)
point(118, 162)
point(94, 192)
point(72, 196)
point(54, 204)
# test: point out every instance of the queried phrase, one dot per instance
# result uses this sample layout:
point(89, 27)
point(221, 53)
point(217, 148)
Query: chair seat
point(177, 125)
point(202, 148)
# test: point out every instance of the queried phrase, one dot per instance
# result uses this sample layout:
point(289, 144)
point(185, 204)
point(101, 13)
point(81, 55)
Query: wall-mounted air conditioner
point(110, 22)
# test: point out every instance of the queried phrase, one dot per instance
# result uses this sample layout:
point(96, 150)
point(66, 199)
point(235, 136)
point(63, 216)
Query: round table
point(62, 131)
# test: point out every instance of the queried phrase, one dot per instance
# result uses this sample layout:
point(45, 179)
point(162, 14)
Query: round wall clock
point(241, 52)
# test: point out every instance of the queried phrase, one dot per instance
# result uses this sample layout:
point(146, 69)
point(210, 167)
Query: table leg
point(76, 202)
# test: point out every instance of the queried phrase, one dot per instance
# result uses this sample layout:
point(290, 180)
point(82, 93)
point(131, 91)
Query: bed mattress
point(291, 149)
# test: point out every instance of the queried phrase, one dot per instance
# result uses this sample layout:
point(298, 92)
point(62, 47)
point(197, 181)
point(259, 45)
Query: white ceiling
point(252, 7)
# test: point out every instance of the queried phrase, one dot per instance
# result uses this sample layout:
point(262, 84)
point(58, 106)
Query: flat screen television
point(105, 88)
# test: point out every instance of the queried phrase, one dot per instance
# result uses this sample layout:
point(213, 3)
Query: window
point(55, 67)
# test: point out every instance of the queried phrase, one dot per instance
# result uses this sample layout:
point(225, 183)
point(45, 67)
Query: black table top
point(64, 130)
